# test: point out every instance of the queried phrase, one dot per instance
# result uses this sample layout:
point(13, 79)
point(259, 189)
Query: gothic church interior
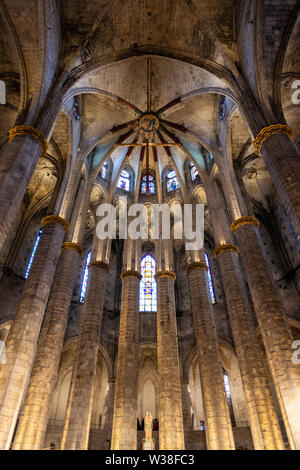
point(174, 102)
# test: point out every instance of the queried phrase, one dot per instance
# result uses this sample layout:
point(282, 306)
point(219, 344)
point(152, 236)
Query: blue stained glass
point(227, 386)
point(194, 173)
point(33, 253)
point(124, 181)
point(151, 185)
point(172, 181)
point(104, 171)
point(148, 291)
point(210, 283)
point(85, 277)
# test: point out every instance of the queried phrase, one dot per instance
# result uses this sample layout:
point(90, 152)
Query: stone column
point(33, 422)
point(109, 406)
point(79, 409)
point(124, 431)
point(263, 419)
point(274, 328)
point(23, 336)
point(219, 435)
point(283, 162)
point(171, 435)
point(18, 160)
point(186, 411)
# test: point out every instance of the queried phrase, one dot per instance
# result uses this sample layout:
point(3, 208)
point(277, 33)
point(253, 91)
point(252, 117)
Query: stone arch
point(231, 366)
point(147, 372)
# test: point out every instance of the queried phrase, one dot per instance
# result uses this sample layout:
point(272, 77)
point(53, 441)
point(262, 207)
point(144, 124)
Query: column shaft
point(171, 434)
point(78, 416)
point(275, 331)
point(283, 162)
point(23, 336)
point(186, 412)
point(18, 161)
point(219, 435)
point(124, 431)
point(263, 419)
point(33, 422)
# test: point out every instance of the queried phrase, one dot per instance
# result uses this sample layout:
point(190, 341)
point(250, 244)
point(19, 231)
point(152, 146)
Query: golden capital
point(33, 132)
point(196, 265)
point(226, 247)
point(267, 132)
point(243, 221)
point(165, 274)
point(55, 219)
point(99, 264)
point(72, 246)
point(131, 273)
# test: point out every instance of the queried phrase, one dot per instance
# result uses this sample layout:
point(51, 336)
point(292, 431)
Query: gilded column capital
point(196, 265)
point(55, 219)
point(165, 274)
point(226, 247)
point(99, 264)
point(33, 132)
point(72, 246)
point(243, 221)
point(131, 273)
point(267, 132)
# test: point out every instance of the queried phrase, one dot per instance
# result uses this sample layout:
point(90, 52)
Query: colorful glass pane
point(151, 185)
point(227, 386)
point(85, 277)
point(33, 253)
point(148, 291)
point(210, 283)
point(104, 171)
point(172, 181)
point(194, 173)
point(124, 181)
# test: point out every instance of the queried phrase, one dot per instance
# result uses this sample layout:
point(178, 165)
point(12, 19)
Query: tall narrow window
point(227, 386)
point(85, 277)
point(150, 189)
point(228, 396)
point(194, 172)
point(124, 181)
point(33, 253)
point(210, 282)
point(148, 291)
point(104, 171)
point(172, 181)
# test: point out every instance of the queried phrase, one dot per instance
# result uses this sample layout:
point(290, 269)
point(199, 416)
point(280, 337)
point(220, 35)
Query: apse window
point(148, 185)
point(172, 181)
point(210, 282)
point(148, 289)
point(33, 253)
point(85, 277)
point(124, 181)
point(227, 386)
point(194, 172)
point(104, 171)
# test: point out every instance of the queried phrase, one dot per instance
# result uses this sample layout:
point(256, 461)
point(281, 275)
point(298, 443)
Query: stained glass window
point(33, 253)
point(85, 277)
point(227, 386)
point(172, 181)
point(148, 291)
point(151, 185)
point(104, 171)
point(228, 396)
point(194, 172)
point(210, 282)
point(124, 181)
